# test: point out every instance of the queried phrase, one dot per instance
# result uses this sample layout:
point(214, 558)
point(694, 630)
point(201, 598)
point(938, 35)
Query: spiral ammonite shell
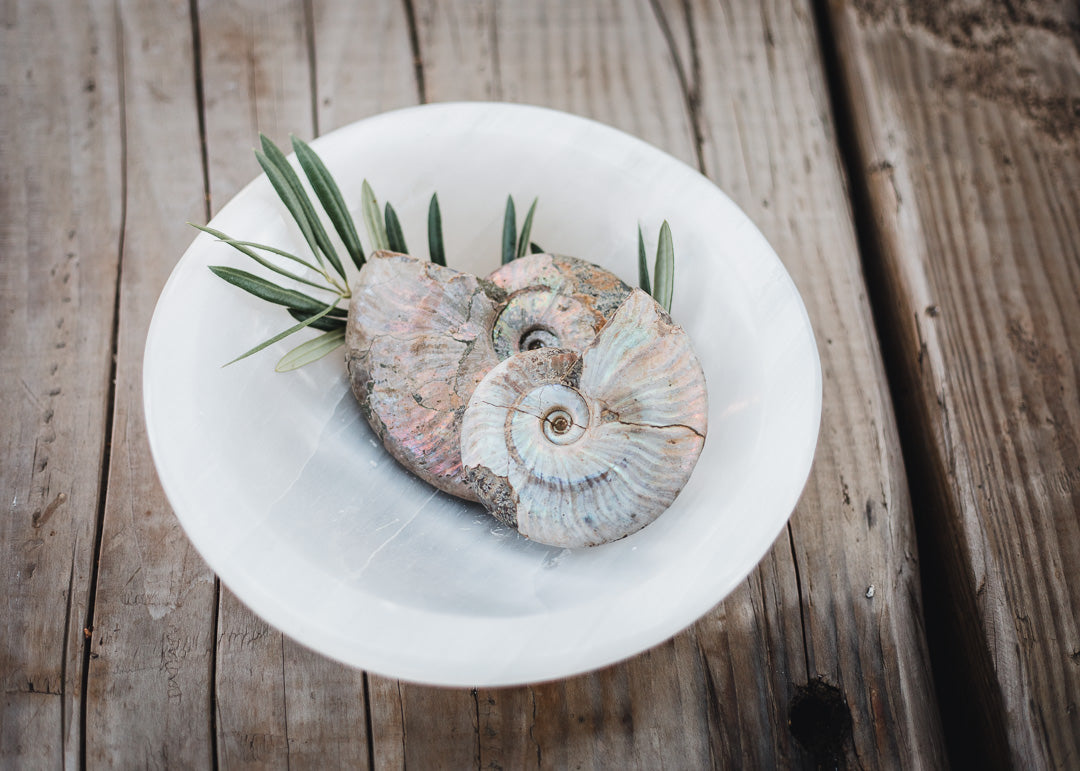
point(421, 336)
point(553, 302)
point(578, 449)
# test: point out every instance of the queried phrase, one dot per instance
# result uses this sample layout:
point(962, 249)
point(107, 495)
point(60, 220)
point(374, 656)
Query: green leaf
point(312, 350)
point(330, 196)
point(535, 248)
point(292, 194)
point(434, 232)
point(664, 276)
point(373, 217)
point(336, 312)
point(282, 335)
point(509, 234)
point(325, 324)
point(288, 197)
point(242, 247)
point(266, 290)
point(274, 250)
point(526, 229)
point(395, 239)
point(642, 263)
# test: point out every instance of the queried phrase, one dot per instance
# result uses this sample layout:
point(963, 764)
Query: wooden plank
point(363, 61)
point(249, 690)
point(748, 101)
point(255, 78)
point(767, 139)
point(148, 696)
point(277, 703)
point(326, 708)
point(625, 716)
point(967, 141)
point(280, 705)
point(414, 726)
point(601, 59)
point(60, 219)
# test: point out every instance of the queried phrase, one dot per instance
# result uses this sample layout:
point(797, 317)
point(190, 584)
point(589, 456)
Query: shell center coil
point(551, 414)
point(538, 337)
point(542, 317)
point(559, 427)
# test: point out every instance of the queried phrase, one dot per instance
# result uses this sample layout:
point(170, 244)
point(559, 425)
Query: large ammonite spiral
point(578, 449)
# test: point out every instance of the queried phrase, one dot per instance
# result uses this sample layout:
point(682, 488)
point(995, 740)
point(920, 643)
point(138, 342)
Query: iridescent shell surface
point(417, 342)
point(553, 302)
point(580, 449)
point(421, 336)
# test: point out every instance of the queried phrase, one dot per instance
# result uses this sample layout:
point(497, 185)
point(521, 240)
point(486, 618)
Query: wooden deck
point(917, 167)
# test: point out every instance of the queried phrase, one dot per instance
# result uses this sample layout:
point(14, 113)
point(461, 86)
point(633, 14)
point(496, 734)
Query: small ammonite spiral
point(553, 302)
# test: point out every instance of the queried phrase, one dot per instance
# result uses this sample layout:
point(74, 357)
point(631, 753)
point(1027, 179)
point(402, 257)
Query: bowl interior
point(284, 490)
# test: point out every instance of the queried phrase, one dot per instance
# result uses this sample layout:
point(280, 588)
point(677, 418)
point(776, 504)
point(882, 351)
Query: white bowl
point(283, 489)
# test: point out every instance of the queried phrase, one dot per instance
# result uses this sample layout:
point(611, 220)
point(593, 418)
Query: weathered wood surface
point(967, 120)
point(851, 538)
point(123, 121)
point(61, 211)
point(149, 691)
point(740, 92)
point(278, 704)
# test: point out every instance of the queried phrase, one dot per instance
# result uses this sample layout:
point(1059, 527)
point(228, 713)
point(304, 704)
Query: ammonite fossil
point(578, 449)
point(421, 336)
point(417, 343)
point(553, 302)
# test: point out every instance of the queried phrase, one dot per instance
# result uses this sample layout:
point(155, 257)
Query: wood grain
point(965, 156)
point(60, 220)
point(363, 61)
point(693, 84)
point(278, 704)
point(852, 540)
point(148, 695)
point(967, 138)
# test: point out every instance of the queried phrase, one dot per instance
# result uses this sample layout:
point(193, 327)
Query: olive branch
point(384, 231)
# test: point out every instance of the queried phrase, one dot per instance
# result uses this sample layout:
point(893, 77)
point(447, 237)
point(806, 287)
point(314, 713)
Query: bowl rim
point(431, 670)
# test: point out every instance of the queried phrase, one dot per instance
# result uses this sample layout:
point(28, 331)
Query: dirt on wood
point(1026, 58)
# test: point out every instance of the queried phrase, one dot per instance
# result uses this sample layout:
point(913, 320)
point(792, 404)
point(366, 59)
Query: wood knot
point(820, 720)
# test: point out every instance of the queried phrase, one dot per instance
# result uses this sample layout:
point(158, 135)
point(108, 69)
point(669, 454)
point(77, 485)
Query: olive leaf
point(509, 233)
point(243, 247)
point(395, 239)
point(282, 335)
point(436, 248)
point(526, 229)
point(664, 271)
point(331, 199)
point(292, 194)
point(269, 291)
point(643, 264)
point(373, 217)
point(325, 324)
point(312, 350)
